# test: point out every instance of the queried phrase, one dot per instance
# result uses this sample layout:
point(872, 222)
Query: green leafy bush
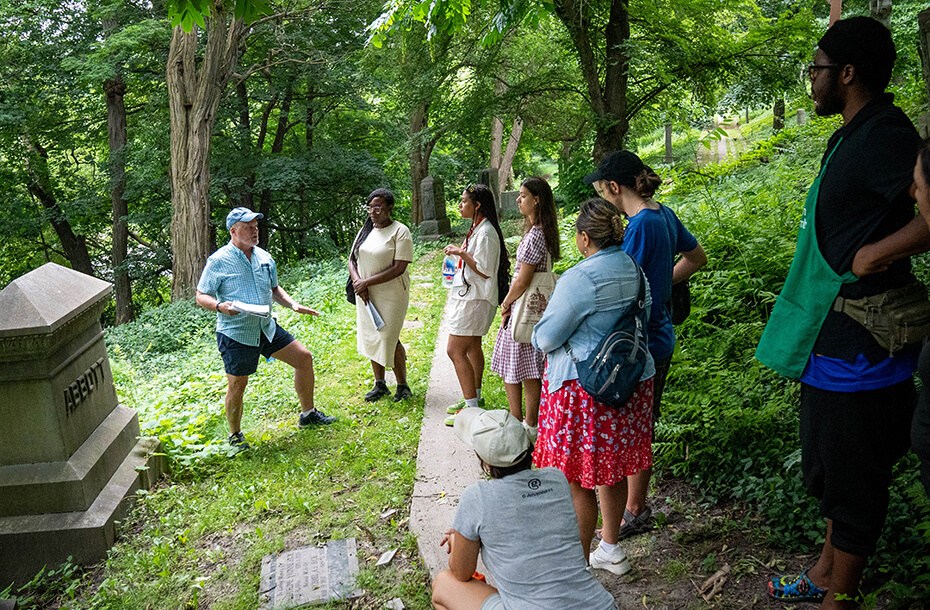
point(572, 190)
point(162, 330)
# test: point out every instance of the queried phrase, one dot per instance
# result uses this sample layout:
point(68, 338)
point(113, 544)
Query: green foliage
point(187, 13)
point(161, 330)
point(572, 191)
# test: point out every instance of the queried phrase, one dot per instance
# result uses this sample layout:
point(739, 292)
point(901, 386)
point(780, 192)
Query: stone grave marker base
point(309, 575)
point(28, 542)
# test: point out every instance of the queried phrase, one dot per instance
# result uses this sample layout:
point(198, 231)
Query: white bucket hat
point(496, 436)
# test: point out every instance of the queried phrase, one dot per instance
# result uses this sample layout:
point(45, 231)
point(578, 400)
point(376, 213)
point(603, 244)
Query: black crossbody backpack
point(612, 370)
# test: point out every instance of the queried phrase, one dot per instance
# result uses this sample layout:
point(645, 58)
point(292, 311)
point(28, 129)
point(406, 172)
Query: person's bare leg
point(822, 572)
point(377, 370)
point(299, 357)
point(613, 501)
point(515, 399)
point(533, 388)
point(457, 350)
point(235, 390)
point(450, 593)
point(844, 580)
point(400, 364)
point(476, 358)
point(585, 501)
point(639, 489)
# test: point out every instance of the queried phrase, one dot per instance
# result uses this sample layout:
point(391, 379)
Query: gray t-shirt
point(528, 531)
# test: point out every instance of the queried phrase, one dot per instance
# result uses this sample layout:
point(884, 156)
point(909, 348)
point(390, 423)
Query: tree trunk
point(308, 137)
point(608, 101)
point(40, 185)
point(244, 197)
point(505, 173)
point(194, 93)
point(778, 114)
point(264, 206)
point(497, 141)
point(669, 157)
point(419, 159)
point(497, 129)
point(115, 89)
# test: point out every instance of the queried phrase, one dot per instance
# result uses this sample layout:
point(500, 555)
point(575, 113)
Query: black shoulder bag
point(612, 370)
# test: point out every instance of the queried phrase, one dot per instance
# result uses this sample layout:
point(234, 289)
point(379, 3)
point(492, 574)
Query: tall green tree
point(631, 53)
point(50, 164)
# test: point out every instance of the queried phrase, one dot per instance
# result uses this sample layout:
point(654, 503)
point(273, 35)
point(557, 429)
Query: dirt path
point(723, 147)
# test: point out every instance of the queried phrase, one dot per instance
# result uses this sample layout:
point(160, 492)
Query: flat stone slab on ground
point(413, 324)
point(309, 575)
point(424, 285)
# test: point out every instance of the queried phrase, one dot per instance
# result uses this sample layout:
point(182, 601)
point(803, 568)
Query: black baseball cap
point(620, 166)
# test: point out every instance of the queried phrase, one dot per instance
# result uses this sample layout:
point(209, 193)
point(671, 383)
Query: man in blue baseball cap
point(242, 272)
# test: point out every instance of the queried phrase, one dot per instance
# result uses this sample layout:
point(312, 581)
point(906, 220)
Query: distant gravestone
point(489, 177)
point(70, 452)
point(435, 222)
point(309, 575)
point(801, 116)
point(509, 208)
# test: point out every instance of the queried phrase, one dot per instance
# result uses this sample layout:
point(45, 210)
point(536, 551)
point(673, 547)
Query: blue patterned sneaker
point(796, 589)
point(314, 418)
point(237, 443)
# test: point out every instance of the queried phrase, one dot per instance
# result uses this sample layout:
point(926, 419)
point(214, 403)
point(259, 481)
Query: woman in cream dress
point(378, 268)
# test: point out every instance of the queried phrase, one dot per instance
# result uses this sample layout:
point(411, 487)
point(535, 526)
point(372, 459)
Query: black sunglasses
point(813, 69)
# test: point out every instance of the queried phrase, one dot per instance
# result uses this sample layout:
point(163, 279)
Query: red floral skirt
point(591, 443)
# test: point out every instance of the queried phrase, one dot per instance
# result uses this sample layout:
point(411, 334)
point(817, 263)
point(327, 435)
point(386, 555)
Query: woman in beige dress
point(378, 268)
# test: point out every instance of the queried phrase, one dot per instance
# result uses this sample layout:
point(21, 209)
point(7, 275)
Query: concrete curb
point(445, 465)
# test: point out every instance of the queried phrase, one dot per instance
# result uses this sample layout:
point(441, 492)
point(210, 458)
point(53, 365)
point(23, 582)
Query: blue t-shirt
point(859, 375)
point(653, 238)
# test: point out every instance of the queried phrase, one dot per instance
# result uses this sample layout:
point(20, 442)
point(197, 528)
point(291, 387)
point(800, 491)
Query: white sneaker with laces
point(615, 561)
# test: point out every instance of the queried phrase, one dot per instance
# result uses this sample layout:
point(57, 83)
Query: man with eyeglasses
point(854, 239)
point(241, 271)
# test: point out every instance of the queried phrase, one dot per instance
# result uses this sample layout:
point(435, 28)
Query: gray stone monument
point(509, 207)
point(489, 177)
point(801, 116)
point(71, 454)
point(435, 222)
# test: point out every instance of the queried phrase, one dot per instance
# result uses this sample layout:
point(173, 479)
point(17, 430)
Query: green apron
point(805, 300)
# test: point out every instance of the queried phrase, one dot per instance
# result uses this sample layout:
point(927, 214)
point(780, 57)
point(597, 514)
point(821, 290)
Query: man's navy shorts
point(240, 360)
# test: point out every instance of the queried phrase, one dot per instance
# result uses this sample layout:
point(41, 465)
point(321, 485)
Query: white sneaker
point(531, 431)
point(615, 561)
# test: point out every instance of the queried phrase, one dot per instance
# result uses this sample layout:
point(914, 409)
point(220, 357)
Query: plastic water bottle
point(448, 270)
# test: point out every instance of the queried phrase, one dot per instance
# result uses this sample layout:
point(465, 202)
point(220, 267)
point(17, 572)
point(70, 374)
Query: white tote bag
point(527, 310)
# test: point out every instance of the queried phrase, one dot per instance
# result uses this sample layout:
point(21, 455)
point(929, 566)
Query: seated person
point(524, 524)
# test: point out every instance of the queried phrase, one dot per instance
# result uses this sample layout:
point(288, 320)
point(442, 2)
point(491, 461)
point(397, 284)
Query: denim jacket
point(588, 299)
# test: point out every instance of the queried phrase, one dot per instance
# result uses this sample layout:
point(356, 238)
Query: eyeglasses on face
point(814, 69)
point(372, 208)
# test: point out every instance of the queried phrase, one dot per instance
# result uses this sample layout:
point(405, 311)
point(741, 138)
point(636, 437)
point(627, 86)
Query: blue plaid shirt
point(230, 276)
